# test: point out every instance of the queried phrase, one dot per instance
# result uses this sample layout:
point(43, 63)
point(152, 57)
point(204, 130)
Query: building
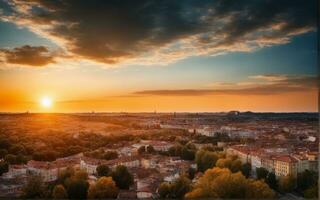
point(15, 171)
point(285, 166)
point(242, 151)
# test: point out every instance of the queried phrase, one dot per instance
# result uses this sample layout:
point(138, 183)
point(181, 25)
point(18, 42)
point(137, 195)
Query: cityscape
point(159, 99)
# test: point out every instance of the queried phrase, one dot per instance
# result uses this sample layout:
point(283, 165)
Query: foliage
point(177, 189)
point(262, 173)
point(206, 159)
point(34, 188)
point(271, 180)
point(104, 188)
point(311, 193)
point(222, 183)
point(150, 149)
point(246, 169)
point(59, 192)
point(122, 177)
point(191, 173)
point(233, 164)
point(141, 149)
point(65, 174)
point(307, 179)
point(287, 183)
point(103, 170)
point(77, 188)
point(4, 167)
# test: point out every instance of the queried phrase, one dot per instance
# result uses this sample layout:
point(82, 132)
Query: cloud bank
point(161, 31)
point(277, 85)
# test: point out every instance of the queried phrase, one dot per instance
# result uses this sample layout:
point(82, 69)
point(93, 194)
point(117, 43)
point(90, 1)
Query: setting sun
point(46, 102)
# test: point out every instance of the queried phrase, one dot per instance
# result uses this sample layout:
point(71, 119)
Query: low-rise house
point(15, 171)
point(46, 170)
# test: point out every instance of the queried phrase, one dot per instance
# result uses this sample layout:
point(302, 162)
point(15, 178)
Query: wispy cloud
point(274, 85)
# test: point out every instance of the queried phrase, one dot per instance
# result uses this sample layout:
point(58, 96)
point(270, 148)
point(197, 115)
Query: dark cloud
point(277, 86)
point(27, 55)
point(113, 31)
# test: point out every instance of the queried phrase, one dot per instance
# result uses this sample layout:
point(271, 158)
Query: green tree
point(77, 188)
point(271, 180)
point(65, 174)
point(10, 159)
point(3, 153)
point(191, 173)
point(59, 192)
point(246, 169)
point(262, 173)
point(110, 155)
point(306, 179)
point(164, 190)
point(150, 149)
point(34, 188)
point(287, 183)
point(180, 187)
point(122, 177)
point(177, 189)
point(4, 167)
point(311, 193)
point(141, 150)
point(187, 154)
point(104, 188)
point(103, 170)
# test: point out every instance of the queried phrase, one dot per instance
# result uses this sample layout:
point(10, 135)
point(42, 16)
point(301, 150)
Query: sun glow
point(46, 102)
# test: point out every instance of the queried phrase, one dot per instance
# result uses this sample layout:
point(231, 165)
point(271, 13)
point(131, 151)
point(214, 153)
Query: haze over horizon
point(168, 56)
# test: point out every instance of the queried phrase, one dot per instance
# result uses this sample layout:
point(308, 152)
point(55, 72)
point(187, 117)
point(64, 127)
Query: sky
point(164, 56)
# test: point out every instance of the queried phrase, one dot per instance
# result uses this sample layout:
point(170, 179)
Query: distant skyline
point(168, 56)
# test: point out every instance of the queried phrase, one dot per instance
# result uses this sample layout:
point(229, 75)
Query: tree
point(4, 167)
point(103, 170)
point(177, 189)
point(222, 183)
point(77, 188)
point(150, 149)
point(81, 175)
point(287, 183)
point(65, 174)
point(187, 154)
point(104, 188)
point(191, 173)
point(246, 169)
point(262, 173)
point(180, 187)
point(34, 188)
point(59, 192)
point(206, 160)
point(141, 150)
point(272, 181)
point(258, 189)
point(306, 179)
point(110, 155)
point(311, 193)
point(10, 159)
point(3, 153)
point(164, 190)
point(122, 177)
